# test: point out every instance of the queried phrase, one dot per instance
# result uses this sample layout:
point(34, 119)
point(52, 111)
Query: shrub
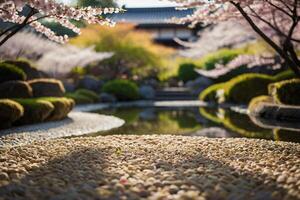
point(79, 98)
point(10, 111)
point(186, 72)
point(245, 87)
point(35, 111)
point(122, 89)
point(30, 71)
point(223, 56)
point(210, 94)
point(285, 75)
point(47, 88)
point(286, 92)
point(62, 107)
point(11, 73)
point(90, 94)
point(15, 89)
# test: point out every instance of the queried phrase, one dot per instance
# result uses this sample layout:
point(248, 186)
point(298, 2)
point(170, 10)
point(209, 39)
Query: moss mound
point(35, 111)
point(47, 88)
point(10, 111)
point(243, 88)
point(25, 65)
point(210, 94)
point(15, 89)
point(62, 107)
point(79, 98)
point(186, 72)
point(286, 92)
point(123, 90)
point(92, 95)
point(10, 72)
point(285, 75)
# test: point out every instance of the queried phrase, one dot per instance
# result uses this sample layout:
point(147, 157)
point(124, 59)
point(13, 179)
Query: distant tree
point(96, 3)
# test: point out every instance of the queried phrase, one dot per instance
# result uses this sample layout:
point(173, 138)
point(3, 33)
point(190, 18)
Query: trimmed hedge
point(286, 92)
point(79, 98)
point(210, 93)
point(47, 88)
point(88, 93)
point(15, 89)
point(25, 65)
point(186, 72)
point(123, 90)
point(10, 111)
point(11, 73)
point(62, 107)
point(35, 111)
point(243, 88)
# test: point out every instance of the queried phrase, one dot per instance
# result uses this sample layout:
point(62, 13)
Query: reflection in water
point(209, 122)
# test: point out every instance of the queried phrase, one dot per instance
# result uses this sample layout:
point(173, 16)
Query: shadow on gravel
point(74, 176)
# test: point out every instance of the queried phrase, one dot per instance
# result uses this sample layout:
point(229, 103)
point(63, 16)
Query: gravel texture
point(151, 167)
point(78, 123)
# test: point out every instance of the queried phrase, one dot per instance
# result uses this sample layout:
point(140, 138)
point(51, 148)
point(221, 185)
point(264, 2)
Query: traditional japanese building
point(158, 22)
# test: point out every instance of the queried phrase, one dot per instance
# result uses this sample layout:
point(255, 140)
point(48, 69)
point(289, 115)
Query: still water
point(208, 122)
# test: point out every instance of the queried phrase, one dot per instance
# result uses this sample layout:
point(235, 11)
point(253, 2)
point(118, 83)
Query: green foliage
point(79, 98)
point(88, 93)
point(10, 111)
point(222, 56)
point(47, 88)
point(286, 92)
point(62, 107)
point(15, 89)
point(187, 72)
point(243, 88)
point(257, 100)
point(122, 89)
point(59, 29)
point(10, 72)
point(26, 66)
point(210, 93)
point(35, 111)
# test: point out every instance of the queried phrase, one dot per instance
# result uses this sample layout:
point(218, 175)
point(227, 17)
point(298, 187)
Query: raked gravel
point(151, 167)
point(78, 123)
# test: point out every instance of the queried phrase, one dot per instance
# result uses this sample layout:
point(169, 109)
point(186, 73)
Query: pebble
point(150, 167)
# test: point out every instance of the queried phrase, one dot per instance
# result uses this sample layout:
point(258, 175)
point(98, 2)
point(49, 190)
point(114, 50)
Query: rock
point(107, 98)
point(90, 83)
point(47, 88)
point(147, 92)
point(199, 84)
point(15, 89)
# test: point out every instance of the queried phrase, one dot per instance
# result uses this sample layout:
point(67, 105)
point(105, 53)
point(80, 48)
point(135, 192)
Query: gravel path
point(151, 167)
point(77, 124)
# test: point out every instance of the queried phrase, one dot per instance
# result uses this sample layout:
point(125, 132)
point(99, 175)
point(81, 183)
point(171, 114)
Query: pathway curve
point(78, 123)
point(151, 167)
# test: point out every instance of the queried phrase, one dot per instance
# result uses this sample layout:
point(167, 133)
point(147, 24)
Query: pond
point(194, 121)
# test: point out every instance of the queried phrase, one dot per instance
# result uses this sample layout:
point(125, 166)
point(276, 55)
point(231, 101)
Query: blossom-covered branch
point(276, 21)
point(29, 12)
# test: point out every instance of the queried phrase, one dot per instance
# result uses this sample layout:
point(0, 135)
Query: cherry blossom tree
point(275, 21)
point(22, 13)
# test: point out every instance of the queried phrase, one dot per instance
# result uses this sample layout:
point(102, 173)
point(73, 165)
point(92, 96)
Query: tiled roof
point(150, 15)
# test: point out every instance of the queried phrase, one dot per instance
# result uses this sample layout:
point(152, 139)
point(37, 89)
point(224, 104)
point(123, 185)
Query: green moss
point(35, 111)
point(286, 92)
point(288, 74)
point(123, 90)
point(10, 72)
point(257, 100)
point(79, 98)
point(186, 72)
point(88, 93)
point(62, 107)
point(26, 66)
point(245, 87)
point(211, 115)
point(210, 93)
point(47, 88)
point(10, 111)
